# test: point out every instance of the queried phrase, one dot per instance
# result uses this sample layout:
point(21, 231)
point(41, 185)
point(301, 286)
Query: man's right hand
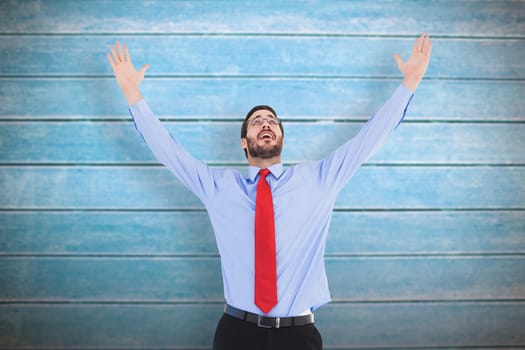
point(127, 76)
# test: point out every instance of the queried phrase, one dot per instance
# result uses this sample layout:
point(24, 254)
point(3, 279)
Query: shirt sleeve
point(196, 175)
point(338, 167)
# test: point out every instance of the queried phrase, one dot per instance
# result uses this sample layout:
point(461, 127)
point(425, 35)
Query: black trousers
point(235, 334)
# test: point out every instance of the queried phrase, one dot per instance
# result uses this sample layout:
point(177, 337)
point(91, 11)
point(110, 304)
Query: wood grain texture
point(392, 187)
point(102, 248)
point(262, 56)
point(445, 17)
point(366, 326)
point(120, 143)
point(198, 279)
point(232, 98)
point(182, 233)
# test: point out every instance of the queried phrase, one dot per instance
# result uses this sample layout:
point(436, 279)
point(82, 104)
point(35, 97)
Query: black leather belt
point(268, 322)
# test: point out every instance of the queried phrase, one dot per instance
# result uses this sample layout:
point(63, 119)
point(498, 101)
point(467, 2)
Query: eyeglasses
point(258, 121)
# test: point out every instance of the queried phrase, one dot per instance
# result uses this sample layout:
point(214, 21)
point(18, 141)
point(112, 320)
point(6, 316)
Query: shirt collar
point(276, 170)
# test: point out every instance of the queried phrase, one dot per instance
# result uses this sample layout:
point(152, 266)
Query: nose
point(266, 123)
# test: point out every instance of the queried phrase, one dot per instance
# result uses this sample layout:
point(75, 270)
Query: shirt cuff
point(403, 95)
point(403, 92)
point(140, 109)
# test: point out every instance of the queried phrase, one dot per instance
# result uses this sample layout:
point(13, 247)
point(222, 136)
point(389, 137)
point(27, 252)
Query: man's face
point(264, 138)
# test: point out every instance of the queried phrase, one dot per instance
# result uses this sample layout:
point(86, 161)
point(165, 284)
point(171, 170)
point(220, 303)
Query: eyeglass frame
point(272, 121)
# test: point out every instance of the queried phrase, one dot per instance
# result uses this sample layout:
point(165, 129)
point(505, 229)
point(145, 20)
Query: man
point(271, 224)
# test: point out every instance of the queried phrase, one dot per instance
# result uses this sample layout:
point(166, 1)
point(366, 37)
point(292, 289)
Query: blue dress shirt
point(303, 197)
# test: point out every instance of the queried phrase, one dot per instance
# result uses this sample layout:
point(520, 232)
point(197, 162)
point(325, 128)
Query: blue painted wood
point(98, 279)
point(453, 325)
point(426, 278)
point(390, 187)
point(108, 325)
point(363, 233)
point(439, 187)
point(259, 55)
point(232, 98)
point(146, 233)
point(344, 326)
point(119, 142)
point(111, 279)
point(198, 279)
point(469, 18)
point(427, 232)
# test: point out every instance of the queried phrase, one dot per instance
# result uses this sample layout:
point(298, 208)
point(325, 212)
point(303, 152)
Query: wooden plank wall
point(100, 247)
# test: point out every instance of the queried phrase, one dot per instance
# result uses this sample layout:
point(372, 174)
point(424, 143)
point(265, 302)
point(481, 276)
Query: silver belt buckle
point(260, 322)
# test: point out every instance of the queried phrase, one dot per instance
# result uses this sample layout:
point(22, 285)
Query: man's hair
point(244, 127)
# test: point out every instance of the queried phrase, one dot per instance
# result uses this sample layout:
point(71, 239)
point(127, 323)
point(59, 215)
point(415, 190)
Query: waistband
point(267, 321)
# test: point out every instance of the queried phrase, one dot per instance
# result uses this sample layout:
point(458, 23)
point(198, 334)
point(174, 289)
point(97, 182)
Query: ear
point(244, 143)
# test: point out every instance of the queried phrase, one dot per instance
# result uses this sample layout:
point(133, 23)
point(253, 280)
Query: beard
point(264, 151)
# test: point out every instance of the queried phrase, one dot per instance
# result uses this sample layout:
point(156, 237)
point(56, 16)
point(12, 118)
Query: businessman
point(270, 223)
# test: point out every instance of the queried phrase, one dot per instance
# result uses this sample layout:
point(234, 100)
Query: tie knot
point(264, 172)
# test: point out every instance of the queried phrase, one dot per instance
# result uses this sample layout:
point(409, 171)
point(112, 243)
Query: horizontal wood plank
point(343, 326)
point(218, 142)
point(390, 187)
point(190, 233)
point(422, 325)
point(427, 232)
point(110, 326)
point(232, 98)
point(113, 279)
point(101, 247)
point(258, 56)
point(472, 18)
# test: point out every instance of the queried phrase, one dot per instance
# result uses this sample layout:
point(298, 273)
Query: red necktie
point(265, 260)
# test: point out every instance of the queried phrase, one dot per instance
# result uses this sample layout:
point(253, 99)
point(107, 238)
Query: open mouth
point(266, 135)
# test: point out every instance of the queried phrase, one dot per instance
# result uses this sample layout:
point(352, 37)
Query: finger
point(115, 56)
point(425, 43)
point(144, 69)
point(110, 60)
point(429, 48)
point(420, 42)
point(399, 61)
point(416, 45)
point(119, 48)
point(127, 57)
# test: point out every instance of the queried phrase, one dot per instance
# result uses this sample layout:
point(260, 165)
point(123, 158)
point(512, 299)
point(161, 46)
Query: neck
point(263, 163)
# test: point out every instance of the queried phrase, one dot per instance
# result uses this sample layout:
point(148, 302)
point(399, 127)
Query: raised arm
point(193, 173)
point(128, 78)
point(416, 65)
point(337, 168)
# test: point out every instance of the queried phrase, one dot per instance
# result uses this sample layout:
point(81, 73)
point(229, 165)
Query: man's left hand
point(415, 67)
